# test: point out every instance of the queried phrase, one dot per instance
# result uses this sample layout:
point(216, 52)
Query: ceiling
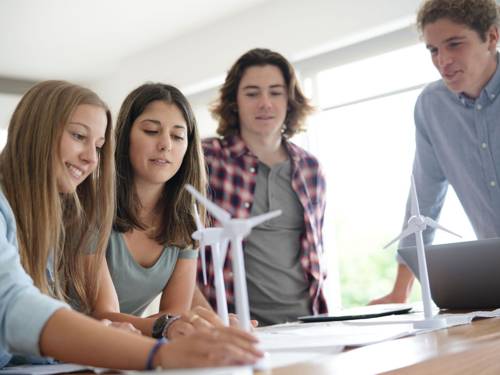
point(79, 40)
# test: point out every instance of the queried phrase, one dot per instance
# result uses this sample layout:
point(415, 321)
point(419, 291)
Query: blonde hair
point(69, 226)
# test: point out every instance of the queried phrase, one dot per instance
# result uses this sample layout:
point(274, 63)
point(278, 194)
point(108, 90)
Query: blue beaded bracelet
point(152, 352)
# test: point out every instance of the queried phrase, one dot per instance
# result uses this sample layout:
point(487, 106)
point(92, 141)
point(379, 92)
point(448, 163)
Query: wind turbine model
point(235, 230)
point(416, 225)
point(213, 237)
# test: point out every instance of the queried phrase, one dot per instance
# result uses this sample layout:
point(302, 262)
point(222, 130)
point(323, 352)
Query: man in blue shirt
point(457, 121)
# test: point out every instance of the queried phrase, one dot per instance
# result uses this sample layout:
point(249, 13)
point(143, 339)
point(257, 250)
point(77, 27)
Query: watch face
point(158, 326)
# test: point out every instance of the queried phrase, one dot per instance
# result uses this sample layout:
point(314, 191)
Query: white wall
point(296, 28)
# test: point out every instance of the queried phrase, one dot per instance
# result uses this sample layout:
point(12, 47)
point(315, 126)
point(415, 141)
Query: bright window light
point(389, 72)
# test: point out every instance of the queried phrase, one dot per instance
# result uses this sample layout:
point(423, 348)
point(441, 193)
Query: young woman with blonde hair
point(56, 206)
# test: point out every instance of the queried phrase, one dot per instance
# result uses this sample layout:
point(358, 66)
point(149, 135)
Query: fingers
point(217, 347)
point(227, 346)
point(208, 315)
point(189, 322)
point(235, 322)
point(180, 328)
point(198, 319)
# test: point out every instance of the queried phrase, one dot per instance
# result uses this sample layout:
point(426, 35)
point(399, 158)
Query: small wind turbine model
point(213, 237)
point(235, 230)
point(416, 225)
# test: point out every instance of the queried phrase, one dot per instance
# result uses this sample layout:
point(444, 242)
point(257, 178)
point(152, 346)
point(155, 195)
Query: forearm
point(404, 282)
point(200, 300)
point(72, 337)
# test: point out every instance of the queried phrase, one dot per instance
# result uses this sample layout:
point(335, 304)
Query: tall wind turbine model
point(213, 237)
point(235, 230)
point(416, 225)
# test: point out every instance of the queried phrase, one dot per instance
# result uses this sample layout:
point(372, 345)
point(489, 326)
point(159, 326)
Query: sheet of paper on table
point(327, 334)
point(238, 370)
point(62, 368)
point(451, 319)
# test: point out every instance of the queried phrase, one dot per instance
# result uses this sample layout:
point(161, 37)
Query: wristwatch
point(162, 324)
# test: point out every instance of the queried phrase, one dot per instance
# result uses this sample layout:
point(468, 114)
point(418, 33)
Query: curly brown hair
point(479, 15)
point(225, 109)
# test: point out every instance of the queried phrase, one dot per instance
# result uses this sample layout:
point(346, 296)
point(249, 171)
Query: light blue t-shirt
point(136, 285)
point(458, 143)
point(24, 310)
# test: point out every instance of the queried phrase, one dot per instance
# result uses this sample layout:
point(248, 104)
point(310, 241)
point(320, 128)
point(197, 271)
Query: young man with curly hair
point(456, 119)
point(254, 168)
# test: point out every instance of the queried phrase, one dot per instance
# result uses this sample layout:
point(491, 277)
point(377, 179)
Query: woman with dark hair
point(150, 251)
point(254, 168)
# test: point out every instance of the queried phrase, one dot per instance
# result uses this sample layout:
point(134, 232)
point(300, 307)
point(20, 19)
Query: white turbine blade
point(203, 262)
point(197, 220)
point(215, 210)
point(256, 220)
point(405, 233)
point(415, 211)
point(434, 224)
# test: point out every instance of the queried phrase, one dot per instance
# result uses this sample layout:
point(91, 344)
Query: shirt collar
point(238, 148)
point(489, 92)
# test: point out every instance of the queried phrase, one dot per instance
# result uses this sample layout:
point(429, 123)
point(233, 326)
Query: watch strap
point(171, 319)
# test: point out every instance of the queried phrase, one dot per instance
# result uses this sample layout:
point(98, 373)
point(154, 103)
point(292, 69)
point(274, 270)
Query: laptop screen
point(462, 275)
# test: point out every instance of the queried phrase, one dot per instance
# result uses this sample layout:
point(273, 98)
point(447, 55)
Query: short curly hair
point(225, 109)
point(479, 15)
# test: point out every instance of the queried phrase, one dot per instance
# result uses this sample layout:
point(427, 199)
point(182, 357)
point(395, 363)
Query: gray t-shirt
point(277, 285)
point(136, 285)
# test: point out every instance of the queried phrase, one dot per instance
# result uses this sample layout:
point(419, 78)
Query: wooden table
point(467, 349)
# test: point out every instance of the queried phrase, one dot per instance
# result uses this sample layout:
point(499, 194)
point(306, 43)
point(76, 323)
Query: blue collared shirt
point(24, 310)
point(458, 143)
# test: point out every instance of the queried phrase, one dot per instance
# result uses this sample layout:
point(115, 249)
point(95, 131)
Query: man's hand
point(389, 298)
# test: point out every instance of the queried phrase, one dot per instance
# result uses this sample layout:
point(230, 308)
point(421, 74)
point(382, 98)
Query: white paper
point(451, 319)
point(237, 370)
point(290, 357)
point(333, 335)
point(44, 369)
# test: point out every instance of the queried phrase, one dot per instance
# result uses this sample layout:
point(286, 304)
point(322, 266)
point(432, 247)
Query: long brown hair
point(225, 109)
point(66, 226)
point(175, 204)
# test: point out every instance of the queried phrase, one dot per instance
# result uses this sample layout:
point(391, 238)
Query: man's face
point(262, 100)
point(463, 59)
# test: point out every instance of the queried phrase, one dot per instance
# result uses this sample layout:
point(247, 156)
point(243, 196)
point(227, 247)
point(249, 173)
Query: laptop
point(462, 275)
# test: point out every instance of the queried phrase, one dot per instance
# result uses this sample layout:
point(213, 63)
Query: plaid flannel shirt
point(232, 170)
